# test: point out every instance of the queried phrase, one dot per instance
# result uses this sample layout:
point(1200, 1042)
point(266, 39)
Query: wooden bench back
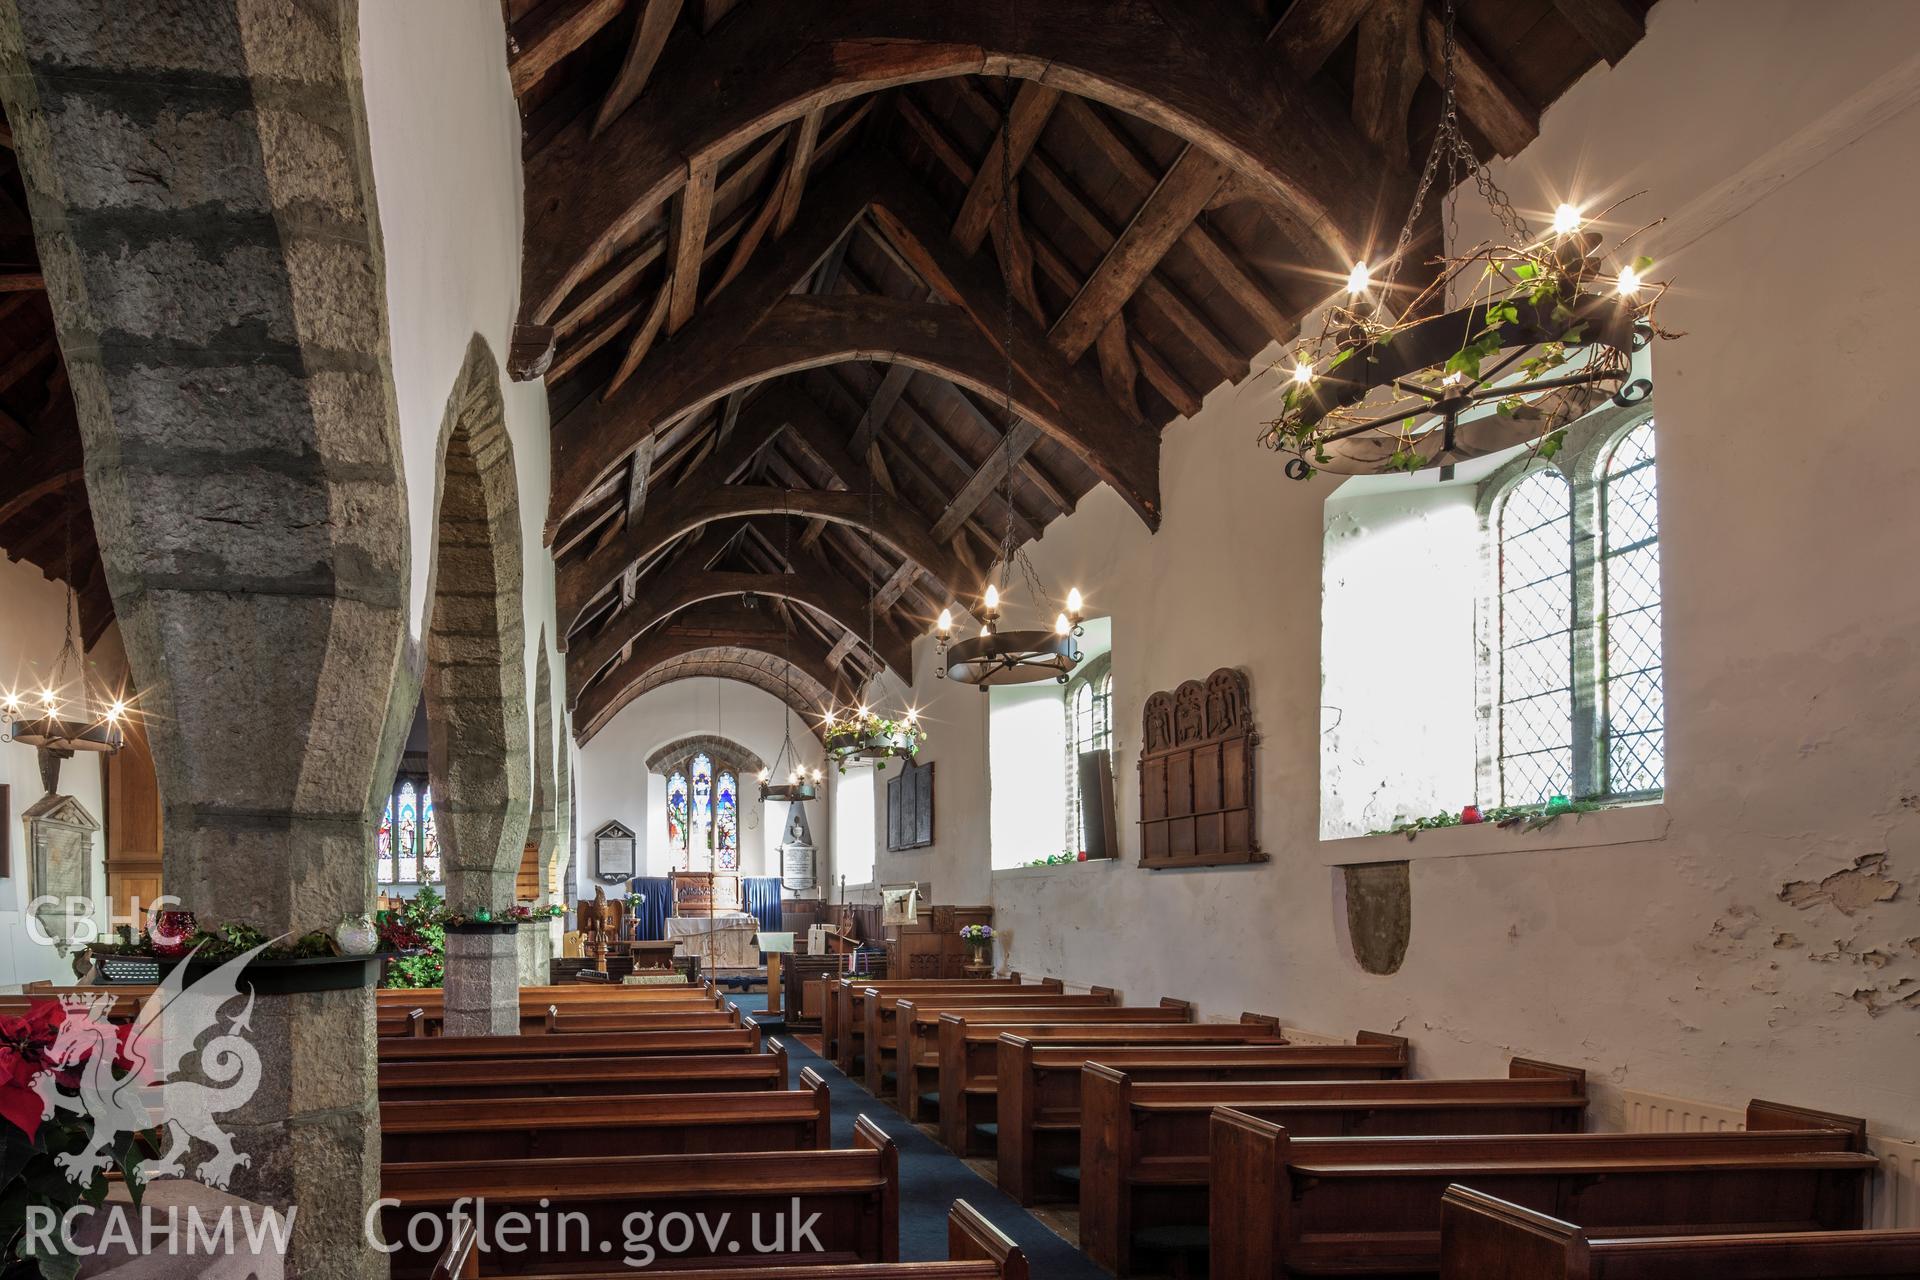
point(1144, 1146)
point(976, 1250)
point(841, 1020)
point(914, 1034)
point(1486, 1238)
point(584, 1076)
point(855, 1192)
point(1372, 1206)
point(743, 1039)
point(1034, 1094)
point(561, 992)
point(566, 1022)
point(538, 1128)
point(879, 1010)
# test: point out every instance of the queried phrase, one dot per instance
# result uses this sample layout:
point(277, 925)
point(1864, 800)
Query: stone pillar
point(476, 690)
point(200, 187)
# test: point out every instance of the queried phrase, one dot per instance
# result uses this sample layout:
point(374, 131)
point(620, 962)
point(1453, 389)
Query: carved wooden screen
point(1196, 775)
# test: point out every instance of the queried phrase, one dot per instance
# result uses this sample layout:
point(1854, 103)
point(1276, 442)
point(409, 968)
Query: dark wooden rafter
point(1388, 66)
point(553, 31)
point(1032, 105)
point(650, 31)
point(1610, 26)
point(814, 682)
point(1191, 70)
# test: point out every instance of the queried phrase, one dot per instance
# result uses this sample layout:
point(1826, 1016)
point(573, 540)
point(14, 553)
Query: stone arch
point(544, 831)
point(477, 693)
point(713, 744)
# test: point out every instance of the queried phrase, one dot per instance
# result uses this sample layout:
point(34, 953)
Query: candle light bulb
point(817, 775)
point(985, 631)
point(1359, 279)
point(945, 625)
point(1074, 601)
point(1061, 626)
point(49, 701)
point(1629, 282)
point(1302, 373)
point(863, 711)
point(1566, 219)
point(114, 712)
point(764, 775)
point(913, 715)
point(992, 598)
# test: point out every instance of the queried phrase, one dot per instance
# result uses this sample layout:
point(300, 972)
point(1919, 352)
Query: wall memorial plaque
point(613, 854)
point(59, 838)
point(1196, 775)
point(910, 808)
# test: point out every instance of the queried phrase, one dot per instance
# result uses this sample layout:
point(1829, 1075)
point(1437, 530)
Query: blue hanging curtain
point(763, 902)
point(650, 921)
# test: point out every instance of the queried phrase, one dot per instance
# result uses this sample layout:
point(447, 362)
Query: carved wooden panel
point(1196, 775)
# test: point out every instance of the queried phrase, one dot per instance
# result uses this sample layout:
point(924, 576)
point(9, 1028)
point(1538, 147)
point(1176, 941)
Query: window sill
point(1624, 824)
point(1057, 868)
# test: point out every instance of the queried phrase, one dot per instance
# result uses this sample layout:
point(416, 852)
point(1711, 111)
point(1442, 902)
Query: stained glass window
point(1089, 728)
point(702, 807)
point(1633, 705)
point(383, 844)
point(429, 838)
point(408, 827)
point(726, 823)
point(1536, 639)
point(677, 813)
point(407, 842)
point(703, 813)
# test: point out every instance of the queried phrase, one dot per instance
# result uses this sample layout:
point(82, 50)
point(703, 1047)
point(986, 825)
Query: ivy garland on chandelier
point(865, 735)
point(1547, 331)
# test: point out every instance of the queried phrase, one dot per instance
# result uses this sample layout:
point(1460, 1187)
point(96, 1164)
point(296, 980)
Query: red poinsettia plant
point(43, 1055)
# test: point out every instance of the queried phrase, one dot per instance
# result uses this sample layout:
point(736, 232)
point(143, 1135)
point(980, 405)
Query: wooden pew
point(1286, 1206)
point(537, 1128)
point(558, 1022)
point(953, 1048)
point(844, 1018)
point(584, 1076)
point(880, 1039)
point(745, 1039)
point(1483, 1238)
point(855, 1192)
point(1034, 1093)
point(395, 1016)
point(1144, 1145)
point(976, 1250)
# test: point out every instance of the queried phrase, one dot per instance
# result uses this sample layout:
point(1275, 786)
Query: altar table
point(726, 940)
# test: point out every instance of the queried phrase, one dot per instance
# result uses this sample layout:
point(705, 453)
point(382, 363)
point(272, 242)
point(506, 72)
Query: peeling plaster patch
point(1854, 889)
point(1785, 941)
point(1904, 994)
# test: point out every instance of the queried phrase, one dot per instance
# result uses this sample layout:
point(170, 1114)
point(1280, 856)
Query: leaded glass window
point(1632, 701)
point(1089, 707)
point(1536, 639)
point(703, 813)
point(407, 841)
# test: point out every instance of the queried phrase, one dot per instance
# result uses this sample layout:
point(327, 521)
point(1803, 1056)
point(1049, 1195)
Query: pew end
point(1264, 1020)
point(1247, 1225)
point(869, 1135)
point(461, 1261)
point(1168, 1002)
point(779, 1051)
point(971, 1238)
point(813, 1082)
point(1483, 1237)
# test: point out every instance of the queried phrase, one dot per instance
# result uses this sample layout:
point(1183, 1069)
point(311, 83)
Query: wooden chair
point(1484, 1238)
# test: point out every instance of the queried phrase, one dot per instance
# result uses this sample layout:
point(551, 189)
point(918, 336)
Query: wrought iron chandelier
point(1548, 333)
point(862, 733)
point(798, 785)
point(64, 715)
point(996, 657)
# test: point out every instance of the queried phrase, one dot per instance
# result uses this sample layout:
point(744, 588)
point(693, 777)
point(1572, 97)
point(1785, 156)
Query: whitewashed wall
point(30, 635)
point(614, 785)
point(1734, 944)
point(445, 132)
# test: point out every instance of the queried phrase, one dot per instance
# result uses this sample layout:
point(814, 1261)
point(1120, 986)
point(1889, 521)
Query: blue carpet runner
point(932, 1178)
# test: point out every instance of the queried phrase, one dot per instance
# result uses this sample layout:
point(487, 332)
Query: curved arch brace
point(671, 658)
point(583, 580)
point(1200, 71)
point(805, 332)
point(837, 601)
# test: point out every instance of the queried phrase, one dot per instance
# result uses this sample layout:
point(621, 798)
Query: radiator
point(1893, 1198)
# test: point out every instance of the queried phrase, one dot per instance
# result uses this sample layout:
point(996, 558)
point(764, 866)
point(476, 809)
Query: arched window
point(407, 844)
point(703, 812)
point(1089, 708)
point(1536, 639)
point(1632, 701)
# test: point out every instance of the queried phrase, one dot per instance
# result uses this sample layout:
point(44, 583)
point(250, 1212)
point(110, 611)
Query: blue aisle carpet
point(932, 1178)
